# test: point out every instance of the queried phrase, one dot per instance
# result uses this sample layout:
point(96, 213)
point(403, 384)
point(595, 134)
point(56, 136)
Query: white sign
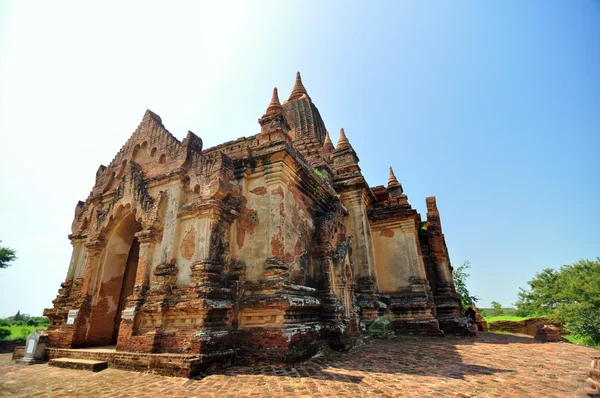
point(128, 313)
point(72, 316)
point(30, 346)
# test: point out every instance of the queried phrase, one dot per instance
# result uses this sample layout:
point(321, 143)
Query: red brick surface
point(491, 365)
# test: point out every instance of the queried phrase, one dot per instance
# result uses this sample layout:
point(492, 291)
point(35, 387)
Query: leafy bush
point(4, 332)
point(497, 310)
point(460, 277)
point(7, 255)
point(583, 340)
point(37, 321)
point(380, 324)
point(570, 294)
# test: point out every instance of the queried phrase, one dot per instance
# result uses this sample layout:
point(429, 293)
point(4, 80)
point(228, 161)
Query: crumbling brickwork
point(265, 248)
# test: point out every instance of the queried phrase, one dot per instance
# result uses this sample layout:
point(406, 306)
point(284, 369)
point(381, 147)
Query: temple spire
point(328, 145)
point(298, 90)
point(392, 180)
point(394, 187)
point(275, 105)
point(343, 141)
point(274, 118)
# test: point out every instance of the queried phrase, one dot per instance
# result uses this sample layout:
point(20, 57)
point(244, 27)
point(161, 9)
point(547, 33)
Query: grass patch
point(319, 174)
point(485, 312)
point(489, 319)
point(581, 340)
point(19, 332)
point(501, 331)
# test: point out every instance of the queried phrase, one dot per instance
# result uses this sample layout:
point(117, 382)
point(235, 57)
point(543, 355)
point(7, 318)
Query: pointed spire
point(298, 90)
point(328, 145)
point(392, 180)
point(394, 188)
point(275, 105)
point(342, 141)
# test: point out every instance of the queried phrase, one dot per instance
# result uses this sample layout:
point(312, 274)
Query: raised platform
point(79, 364)
point(179, 365)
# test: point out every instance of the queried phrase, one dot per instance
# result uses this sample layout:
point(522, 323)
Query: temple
point(265, 248)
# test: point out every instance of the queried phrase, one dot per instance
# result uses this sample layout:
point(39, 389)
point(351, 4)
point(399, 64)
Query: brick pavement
point(492, 365)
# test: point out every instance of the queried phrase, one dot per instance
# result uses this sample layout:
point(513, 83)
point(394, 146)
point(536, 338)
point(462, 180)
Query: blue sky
point(493, 107)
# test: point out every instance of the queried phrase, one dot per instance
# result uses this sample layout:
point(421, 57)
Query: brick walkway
point(492, 365)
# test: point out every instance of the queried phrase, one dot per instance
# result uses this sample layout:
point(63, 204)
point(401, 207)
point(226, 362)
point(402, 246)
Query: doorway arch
point(114, 282)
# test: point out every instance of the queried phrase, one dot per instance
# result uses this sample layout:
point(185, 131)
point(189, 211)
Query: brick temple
point(265, 248)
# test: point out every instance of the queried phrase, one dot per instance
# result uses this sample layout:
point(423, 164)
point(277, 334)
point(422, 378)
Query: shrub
point(460, 277)
point(4, 332)
point(570, 294)
point(380, 324)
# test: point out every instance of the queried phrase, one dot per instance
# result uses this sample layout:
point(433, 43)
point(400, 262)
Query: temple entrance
point(114, 282)
point(128, 283)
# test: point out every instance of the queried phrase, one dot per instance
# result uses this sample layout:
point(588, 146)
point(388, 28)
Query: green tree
point(497, 308)
point(7, 255)
point(4, 332)
point(570, 295)
point(460, 276)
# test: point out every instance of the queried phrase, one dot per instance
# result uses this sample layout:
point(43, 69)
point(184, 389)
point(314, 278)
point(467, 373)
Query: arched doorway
point(114, 282)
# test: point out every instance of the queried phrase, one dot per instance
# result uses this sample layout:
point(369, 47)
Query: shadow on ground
point(410, 355)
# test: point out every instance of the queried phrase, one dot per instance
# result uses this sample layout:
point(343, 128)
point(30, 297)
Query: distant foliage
point(497, 308)
point(490, 318)
point(7, 255)
point(26, 320)
point(21, 328)
point(460, 277)
point(4, 332)
point(570, 294)
point(491, 312)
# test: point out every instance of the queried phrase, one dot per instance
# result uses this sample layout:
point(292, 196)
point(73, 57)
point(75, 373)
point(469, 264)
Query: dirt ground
point(491, 365)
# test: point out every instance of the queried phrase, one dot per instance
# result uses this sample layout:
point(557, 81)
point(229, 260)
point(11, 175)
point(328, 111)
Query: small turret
point(344, 155)
point(275, 105)
point(343, 142)
point(274, 118)
point(328, 145)
point(394, 187)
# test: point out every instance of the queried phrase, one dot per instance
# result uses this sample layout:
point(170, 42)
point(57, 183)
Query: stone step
point(79, 364)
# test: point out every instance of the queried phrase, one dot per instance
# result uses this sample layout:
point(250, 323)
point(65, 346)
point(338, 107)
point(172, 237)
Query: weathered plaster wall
point(169, 245)
point(396, 255)
point(252, 228)
point(185, 250)
point(274, 222)
point(357, 226)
